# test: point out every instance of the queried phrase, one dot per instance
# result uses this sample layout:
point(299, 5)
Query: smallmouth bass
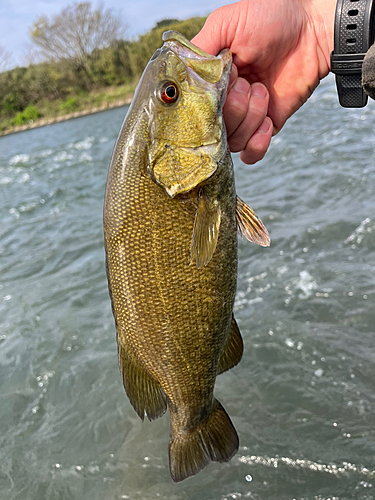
point(171, 217)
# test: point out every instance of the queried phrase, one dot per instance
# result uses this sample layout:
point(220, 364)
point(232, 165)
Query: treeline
point(27, 92)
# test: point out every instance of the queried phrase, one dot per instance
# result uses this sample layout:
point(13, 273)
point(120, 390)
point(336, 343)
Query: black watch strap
point(353, 37)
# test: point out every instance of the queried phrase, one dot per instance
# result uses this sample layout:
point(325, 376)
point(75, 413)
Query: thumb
point(212, 38)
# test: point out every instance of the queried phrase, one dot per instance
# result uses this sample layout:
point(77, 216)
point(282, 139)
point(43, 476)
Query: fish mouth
point(213, 69)
point(183, 46)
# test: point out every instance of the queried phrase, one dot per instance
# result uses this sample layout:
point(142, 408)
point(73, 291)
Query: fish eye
point(169, 92)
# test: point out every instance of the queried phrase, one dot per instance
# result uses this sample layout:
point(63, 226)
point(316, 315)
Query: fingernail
point(264, 128)
point(259, 90)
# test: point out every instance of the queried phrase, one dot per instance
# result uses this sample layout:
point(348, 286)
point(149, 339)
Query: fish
point(171, 218)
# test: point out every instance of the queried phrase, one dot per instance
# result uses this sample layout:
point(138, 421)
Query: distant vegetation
point(63, 85)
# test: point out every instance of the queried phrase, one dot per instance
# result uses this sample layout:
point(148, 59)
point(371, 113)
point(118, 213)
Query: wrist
point(322, 18)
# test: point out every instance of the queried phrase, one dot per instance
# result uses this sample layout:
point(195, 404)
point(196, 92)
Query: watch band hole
point(353, 12)
point(351, 27)
point(350, 41)
point(354, 0)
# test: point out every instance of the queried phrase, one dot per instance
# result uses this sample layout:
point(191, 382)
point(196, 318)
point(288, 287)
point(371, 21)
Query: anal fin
point(145, 394)
point(249, 224)
point(233, 349)
point(206, 230)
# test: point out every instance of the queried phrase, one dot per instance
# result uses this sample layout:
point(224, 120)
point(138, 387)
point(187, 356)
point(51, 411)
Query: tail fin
point(214, 439)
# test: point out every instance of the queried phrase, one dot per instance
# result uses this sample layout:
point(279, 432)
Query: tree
point(164, 23)
point(76, 32)
point(5, 59)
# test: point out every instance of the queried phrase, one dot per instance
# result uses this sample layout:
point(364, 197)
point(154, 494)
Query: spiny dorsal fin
point(233, 349)
point(145, 394)
point(206, 230)
point(249, 224)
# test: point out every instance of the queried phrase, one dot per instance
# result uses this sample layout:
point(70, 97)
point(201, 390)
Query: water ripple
point(344, 468)
point(302, 398)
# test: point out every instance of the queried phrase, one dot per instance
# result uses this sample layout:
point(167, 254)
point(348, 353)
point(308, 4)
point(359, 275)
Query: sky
point(16, 17)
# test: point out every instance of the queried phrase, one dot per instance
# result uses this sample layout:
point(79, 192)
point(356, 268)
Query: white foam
point(85, 144)
point(15, 212)
point(256, 300)
point(335, 470)
point(63, 156)
point(21, 158)
point(357, 235)
point(45, 153)
point(306, 284)
point(5, 180)
point(24, 178)
point(85, 157)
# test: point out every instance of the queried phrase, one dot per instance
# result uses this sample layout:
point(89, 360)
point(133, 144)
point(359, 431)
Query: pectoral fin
point(206, 230)
point(249, 224)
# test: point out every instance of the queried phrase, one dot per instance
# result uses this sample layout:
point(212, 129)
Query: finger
point(236, 105)
point(232, 78)
point(258, 143)
point(254, 117)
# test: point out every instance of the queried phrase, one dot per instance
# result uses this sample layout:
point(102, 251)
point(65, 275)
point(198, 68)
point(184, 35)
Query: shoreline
point(42, 122)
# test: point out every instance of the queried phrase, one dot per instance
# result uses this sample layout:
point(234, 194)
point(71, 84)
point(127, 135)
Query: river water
point(302, 398)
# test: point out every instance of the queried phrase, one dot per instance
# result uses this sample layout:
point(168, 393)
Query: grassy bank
point(54, 91)
point(60, 110)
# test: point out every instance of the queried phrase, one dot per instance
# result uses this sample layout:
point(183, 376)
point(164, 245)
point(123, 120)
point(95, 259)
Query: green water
point(302, 398)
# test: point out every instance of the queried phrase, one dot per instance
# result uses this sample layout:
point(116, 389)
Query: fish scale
point(156, 289)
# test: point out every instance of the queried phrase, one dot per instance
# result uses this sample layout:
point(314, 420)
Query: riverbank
point(53, 91)
point(42, 122)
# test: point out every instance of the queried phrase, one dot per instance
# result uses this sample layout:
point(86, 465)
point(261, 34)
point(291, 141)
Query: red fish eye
point(169, 93)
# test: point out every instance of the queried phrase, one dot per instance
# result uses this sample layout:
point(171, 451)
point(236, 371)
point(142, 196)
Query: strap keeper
point(347, 64)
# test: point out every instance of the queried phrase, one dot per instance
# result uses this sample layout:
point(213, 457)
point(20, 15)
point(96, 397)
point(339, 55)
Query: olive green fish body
point(171, 247)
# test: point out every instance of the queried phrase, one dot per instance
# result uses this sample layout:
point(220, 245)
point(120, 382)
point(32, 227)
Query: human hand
point(368, 72)
point(281, 51)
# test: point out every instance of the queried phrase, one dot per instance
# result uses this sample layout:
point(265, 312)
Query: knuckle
point(258, 110)
point(236, 145)
point(236, 106)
